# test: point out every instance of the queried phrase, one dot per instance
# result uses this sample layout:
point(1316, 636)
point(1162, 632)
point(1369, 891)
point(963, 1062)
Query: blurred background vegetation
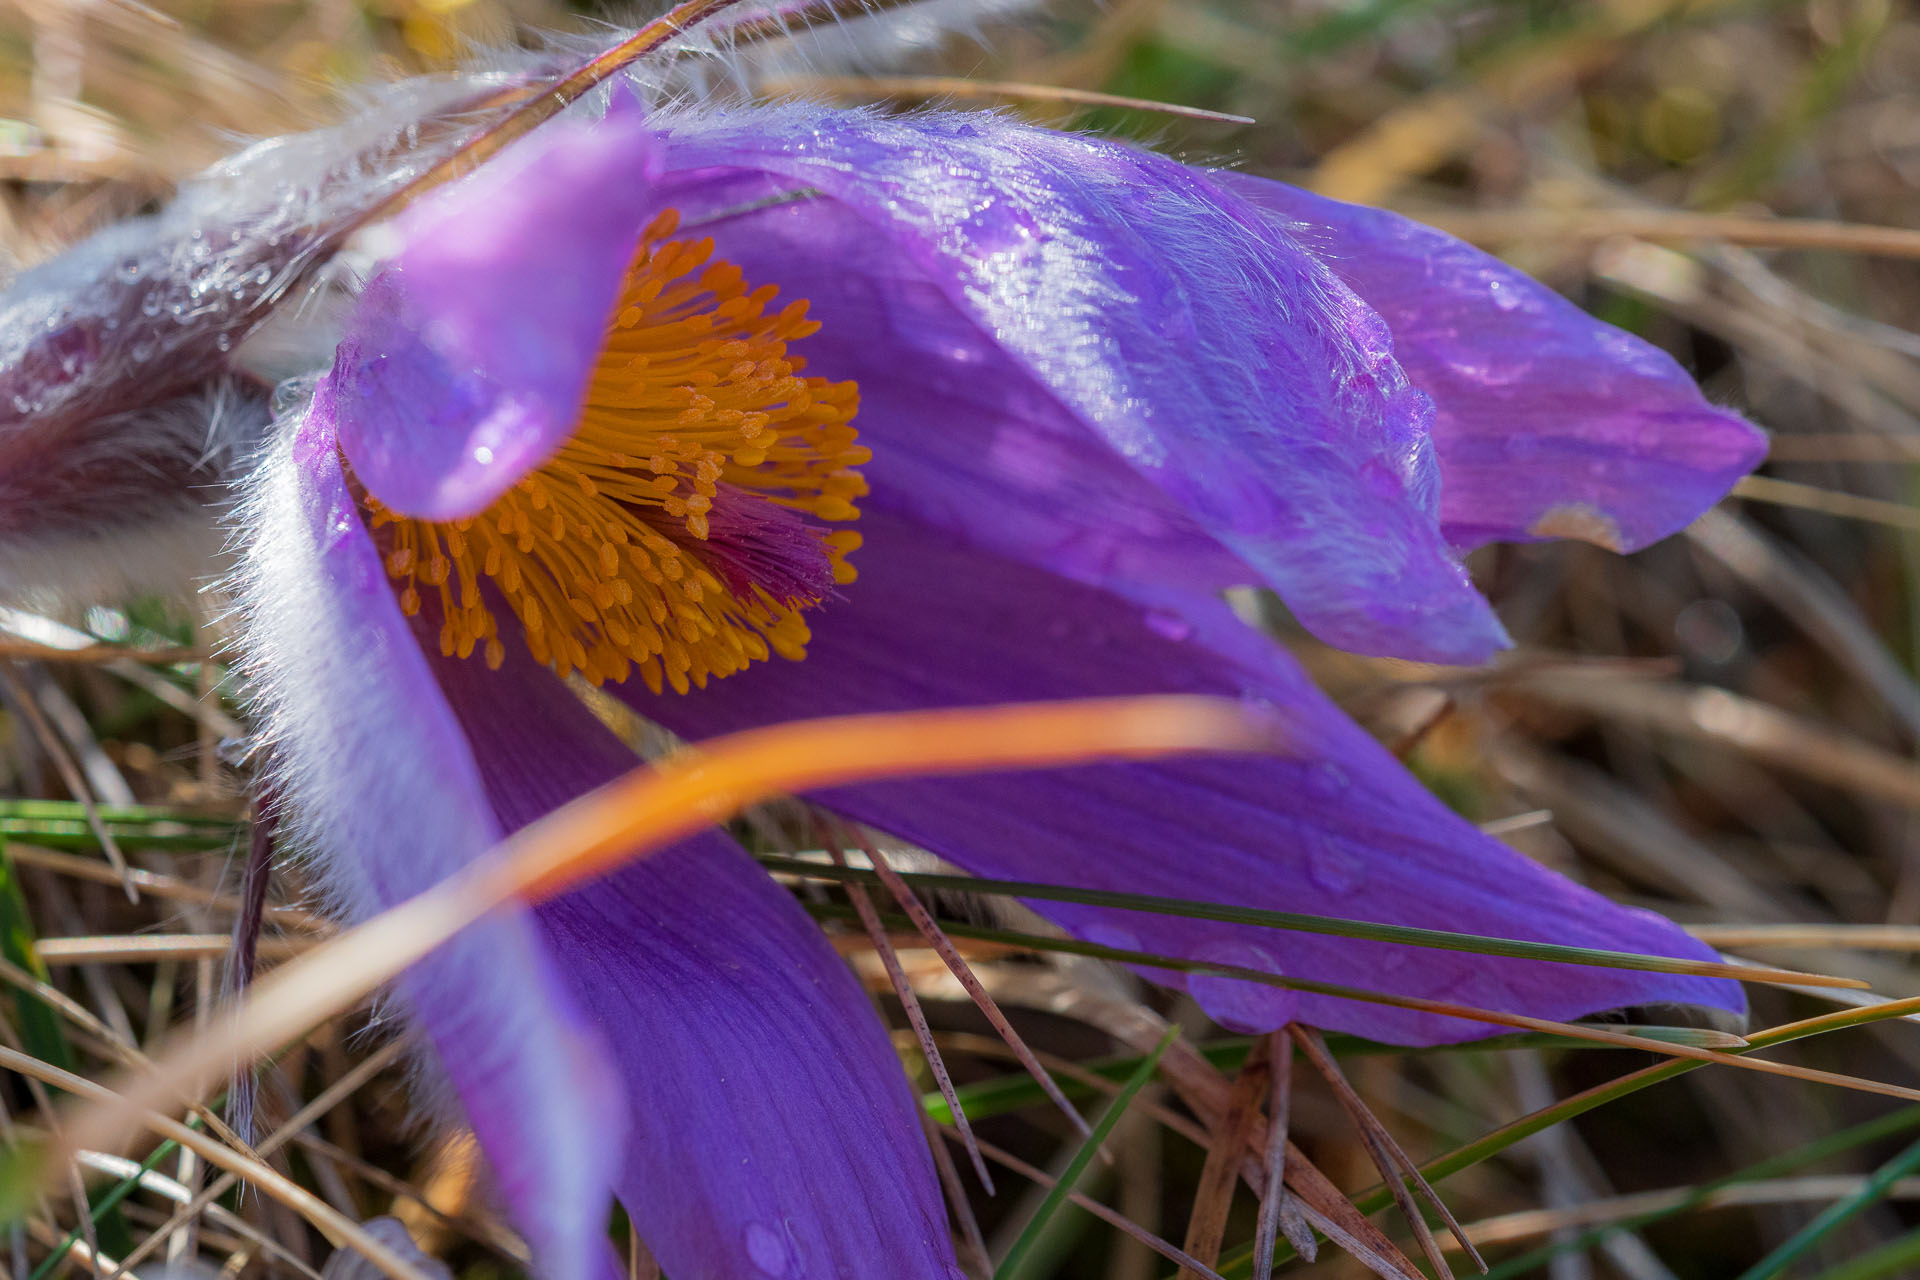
point(1722, 727)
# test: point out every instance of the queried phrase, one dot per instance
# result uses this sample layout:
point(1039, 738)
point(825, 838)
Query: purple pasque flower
point(595, 413)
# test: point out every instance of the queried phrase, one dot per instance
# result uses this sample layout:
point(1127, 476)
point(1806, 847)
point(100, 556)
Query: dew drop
point(1235, 1002)
point(1335, 868)
point(130, 269)
point(1170, 626)
point(1327, 780)
point(223, 341)
point(1106, 935)
point(482, 455)
point(150, 305)
point(767, 1249)
point(141, 351)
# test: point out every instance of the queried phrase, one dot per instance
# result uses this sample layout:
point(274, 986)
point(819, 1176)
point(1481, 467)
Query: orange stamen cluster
point(601, 552)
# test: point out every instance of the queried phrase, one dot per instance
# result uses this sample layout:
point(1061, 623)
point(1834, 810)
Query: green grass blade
point(63, 824)
point(1889, 1125)
point(1240, 1263)
point(1897, 1257)
point(1152, 960)
point(1292, 921)
point(1010, 1266)
point(105, 1205)
point(41, 1032)
point(1835, 1215)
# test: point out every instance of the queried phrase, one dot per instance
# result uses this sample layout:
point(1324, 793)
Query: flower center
point(673, 532)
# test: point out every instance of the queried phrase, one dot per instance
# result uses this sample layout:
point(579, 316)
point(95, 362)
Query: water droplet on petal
point(482, 455)
point(1107, 935)
point(1235, 1002)
point(767, 1249)
point(1327, 780)
point(1169, 625)
point(1334, 867)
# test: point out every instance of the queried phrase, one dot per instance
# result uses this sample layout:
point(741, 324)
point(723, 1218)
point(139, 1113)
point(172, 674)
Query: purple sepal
point(679, 1032)
point(1549, 423)
point(1172, 321)
point(382, 791)
point(468, 357)
point(772, 1132)
point(1337, 828)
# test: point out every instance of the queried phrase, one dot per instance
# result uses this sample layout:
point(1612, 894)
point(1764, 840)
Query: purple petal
point(1341, 830)
point(1549, 422)
point(773, 1134)
point(468, 357)
point(1167, 317)
point(380, 786)
point(965, 438)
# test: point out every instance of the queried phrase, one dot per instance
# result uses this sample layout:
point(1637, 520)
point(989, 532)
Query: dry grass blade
point(1111, 1217)
point(1277, 1213)
point(24, 701)
point(634, 815)
point(1207, 1228)
point(334, 1094)
point(916, 1016)
point(1762, 732)
point(936, 937)
point(1511, 1228)
point(128, 1055)
point(552, 99)
point(1322, 1203)
point(152, 1180)
point(1864, 937)
point(330, 1222)
point(1805, 594)
point(1673, 226)
point(158, 885)
point(155, 948)
point(1810, 497)
point(867, 88)
point(1395, 1166)
point(957, 1202)
point(95, 654)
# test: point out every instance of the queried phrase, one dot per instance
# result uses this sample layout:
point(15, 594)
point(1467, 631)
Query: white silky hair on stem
point(134, 366)
point(822, 38)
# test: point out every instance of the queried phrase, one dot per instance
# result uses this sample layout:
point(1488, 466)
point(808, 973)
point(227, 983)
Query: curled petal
point(469, 355)
point(1339, 828)
point(1167, 317)
point(380, 787)
point(1549, 423)
point(772, 1131)
point(964, 437)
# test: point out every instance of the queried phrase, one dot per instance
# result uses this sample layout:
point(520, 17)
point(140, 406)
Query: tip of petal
point(1579, 520)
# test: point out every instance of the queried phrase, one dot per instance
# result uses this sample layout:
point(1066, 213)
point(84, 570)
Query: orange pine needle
point(636, 814)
